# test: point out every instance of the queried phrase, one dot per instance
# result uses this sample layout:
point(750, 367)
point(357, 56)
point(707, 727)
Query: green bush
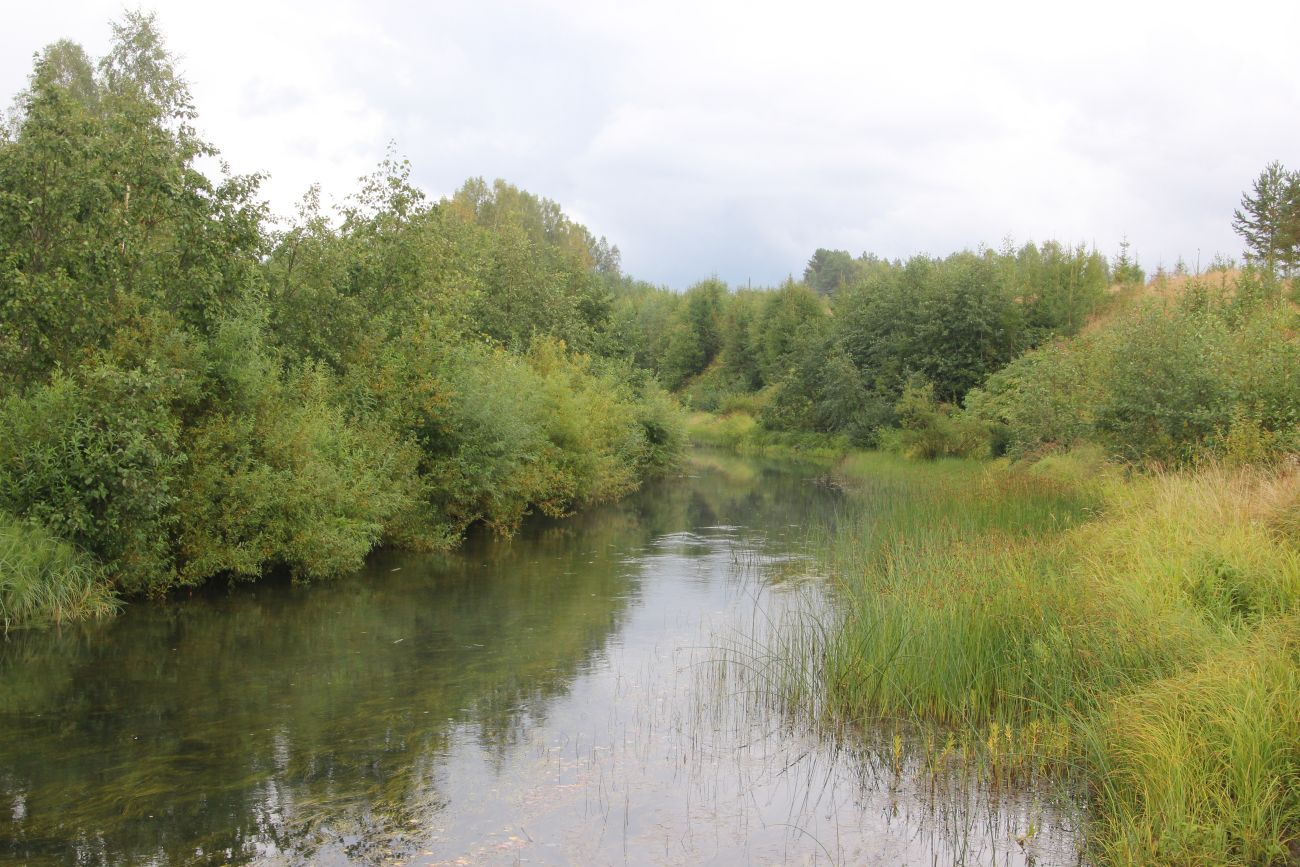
point(1166, 384)
point(292, 484)
point(929, 429)
point(95, 456)
point(1213, 374)
point(1044, 399)
point(663, 427)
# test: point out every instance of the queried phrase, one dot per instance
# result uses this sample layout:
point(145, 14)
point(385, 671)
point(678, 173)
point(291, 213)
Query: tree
point(694, 338)
point(105, 213)
point(139, 67)
point(785, 314)
point(1126, 269)
point(1269, 220)
point(829, 270)
point(951, 320)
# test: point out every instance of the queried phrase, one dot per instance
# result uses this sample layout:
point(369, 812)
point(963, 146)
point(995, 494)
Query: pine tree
point(1269, 220)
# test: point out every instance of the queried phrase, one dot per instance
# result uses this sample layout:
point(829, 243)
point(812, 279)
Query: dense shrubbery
point(186, 394)
point(95, 457)
point(835, 354)
point(1212, 372)
point(989, 353)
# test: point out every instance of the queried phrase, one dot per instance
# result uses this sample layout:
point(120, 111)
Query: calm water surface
point(552, 699)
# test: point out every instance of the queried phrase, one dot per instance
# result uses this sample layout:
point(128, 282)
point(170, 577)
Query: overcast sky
point(734, 138)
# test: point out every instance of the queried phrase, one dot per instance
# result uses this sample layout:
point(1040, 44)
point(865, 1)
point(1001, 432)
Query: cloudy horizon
point(718, 138)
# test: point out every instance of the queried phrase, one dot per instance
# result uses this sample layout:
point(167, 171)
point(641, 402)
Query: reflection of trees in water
point(290, 718)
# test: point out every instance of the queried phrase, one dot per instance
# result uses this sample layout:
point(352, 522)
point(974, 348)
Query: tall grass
point(45, 580)
point(949, 615)
point(1204, 767)
point(741, 432)
point(1154, 620)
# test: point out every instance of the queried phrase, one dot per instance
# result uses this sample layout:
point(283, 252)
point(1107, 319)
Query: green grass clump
point(949, 615)
point(742, 433)
point(1204, 767)
point(45, 580)
point(1154, 617)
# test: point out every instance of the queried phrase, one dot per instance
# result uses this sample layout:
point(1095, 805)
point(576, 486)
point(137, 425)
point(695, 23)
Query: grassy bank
point(1145, 630)
point(44, 580)
point(741, 432)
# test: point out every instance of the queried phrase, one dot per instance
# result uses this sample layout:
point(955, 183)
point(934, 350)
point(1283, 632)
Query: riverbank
point(1140, 631)
point(548, 698)
point(740, 432)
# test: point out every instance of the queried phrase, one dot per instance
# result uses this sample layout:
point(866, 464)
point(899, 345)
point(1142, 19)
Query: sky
point(732, 139)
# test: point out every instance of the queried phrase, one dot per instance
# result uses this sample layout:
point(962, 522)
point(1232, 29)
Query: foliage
point(829, 270)
point(46, 580)
point(1039, 401)
point(103, 208)
point(835, 353)
point(1269, 219)
point(95, 456)
point(739, 431)
point(784, 332)
point(1125, 270)
point(928, 429)
point(1210, 373)
point(290, 483)
point(950, 321)
point(694, 338)
point(187, 394)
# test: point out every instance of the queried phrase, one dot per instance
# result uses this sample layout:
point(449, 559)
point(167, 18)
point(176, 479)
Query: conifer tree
point(1269, 219)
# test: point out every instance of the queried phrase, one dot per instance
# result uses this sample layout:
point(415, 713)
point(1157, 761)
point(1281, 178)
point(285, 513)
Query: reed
point(1143, 630)
point(45, 580)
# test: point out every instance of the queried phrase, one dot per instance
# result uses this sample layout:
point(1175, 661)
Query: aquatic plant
point(1139, 632)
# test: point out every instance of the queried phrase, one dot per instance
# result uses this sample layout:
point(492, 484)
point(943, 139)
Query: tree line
point(835, 352)
point(189, 389)
point(1010, 351)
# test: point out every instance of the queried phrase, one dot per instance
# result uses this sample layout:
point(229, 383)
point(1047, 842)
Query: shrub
point(1212, 375)
point(292, 483)
point(1045, 398)
point(95, 457)
point(929, 429)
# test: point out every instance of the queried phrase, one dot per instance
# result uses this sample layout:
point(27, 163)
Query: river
point(575, 695)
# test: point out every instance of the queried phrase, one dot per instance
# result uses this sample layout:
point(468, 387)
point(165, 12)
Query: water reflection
point(541, 700)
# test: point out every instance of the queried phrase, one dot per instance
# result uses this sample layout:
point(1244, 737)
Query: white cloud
point(707, 136)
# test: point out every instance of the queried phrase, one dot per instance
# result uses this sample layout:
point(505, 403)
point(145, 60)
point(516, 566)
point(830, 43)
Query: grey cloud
point(706, 136)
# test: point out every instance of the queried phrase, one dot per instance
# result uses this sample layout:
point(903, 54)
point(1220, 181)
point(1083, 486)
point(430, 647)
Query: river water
point(579, 694)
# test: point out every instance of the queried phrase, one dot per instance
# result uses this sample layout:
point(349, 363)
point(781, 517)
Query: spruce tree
point(1269, 220)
